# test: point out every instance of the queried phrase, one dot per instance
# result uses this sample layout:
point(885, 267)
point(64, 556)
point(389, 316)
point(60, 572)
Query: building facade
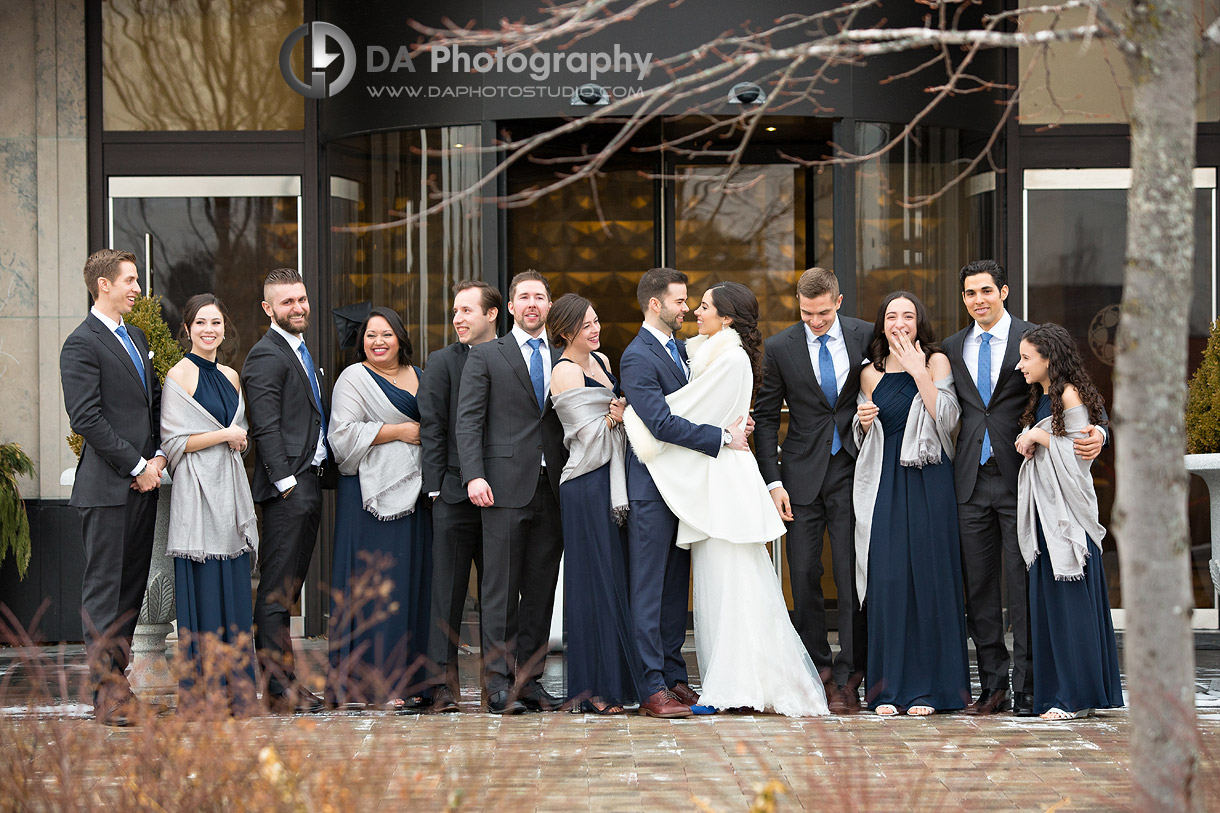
point(172, 130)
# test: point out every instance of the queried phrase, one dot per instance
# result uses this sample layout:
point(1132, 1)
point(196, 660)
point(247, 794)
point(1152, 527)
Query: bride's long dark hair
point(736, 301)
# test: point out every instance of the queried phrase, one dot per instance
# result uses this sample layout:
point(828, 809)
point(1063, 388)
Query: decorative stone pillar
point(149, 665)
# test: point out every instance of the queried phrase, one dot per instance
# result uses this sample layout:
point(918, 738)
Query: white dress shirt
point(838, 354)
point(522, 338)
point(319, 455)
point(663, 338)
point(999, 344)
point(113, 327)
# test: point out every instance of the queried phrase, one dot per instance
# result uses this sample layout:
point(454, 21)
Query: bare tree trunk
point(1149, 405)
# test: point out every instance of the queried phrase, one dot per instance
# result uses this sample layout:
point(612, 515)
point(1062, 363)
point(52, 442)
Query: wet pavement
point(477, 761)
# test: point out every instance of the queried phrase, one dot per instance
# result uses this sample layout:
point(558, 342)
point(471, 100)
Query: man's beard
point(671, 319)
point(288, 327)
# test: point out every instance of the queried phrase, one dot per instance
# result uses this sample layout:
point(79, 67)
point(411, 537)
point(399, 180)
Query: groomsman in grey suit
point(993, 396)
point(814, 367)
point(457, 524)
point(113, 400)
point(510, 445)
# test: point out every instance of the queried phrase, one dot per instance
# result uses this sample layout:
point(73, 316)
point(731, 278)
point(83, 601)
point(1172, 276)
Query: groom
point(653, 366)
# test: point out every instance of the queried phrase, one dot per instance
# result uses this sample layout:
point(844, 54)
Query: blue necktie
point(313, 381)
point(672, 347)
point(131, 351)
point(536, 375)
point(984, 385)
point(830, 388)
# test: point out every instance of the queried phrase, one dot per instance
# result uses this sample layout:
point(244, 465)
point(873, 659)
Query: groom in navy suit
point(652, 366)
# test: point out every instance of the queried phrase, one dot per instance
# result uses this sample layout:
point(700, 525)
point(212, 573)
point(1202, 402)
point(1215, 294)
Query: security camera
point(589, 94)
point(746, 93)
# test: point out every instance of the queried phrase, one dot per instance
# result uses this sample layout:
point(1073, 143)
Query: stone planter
point(149, 666)
point(1207, 466)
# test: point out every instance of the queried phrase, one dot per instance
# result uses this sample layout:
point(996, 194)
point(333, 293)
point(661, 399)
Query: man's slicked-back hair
point(527, 274)
point(105, 263)
point(816, 282)
point(281, 276)
point(489, 296)
point(655, 283)
point(997, 272)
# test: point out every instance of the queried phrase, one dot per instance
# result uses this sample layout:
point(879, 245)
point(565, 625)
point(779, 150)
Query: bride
point(750, 656)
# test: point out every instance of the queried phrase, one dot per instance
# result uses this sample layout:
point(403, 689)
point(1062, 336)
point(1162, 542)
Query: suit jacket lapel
point(512, 354)
point(856, 340)
point(663, 354)
point(955, 349)
point(1012, 351)
point(799, 348)
point(115, 345)
point(295, 363)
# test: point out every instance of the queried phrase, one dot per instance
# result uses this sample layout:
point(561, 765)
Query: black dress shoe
point(444, 701)
point(297, 700)
point(502, 702)
point(1023, 704)
point(536, 698)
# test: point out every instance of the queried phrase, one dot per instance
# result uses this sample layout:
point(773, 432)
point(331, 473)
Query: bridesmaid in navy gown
point(380, 661)
point(213, 595)
point(602, 659)
point(917, 660)
point(1075, 656)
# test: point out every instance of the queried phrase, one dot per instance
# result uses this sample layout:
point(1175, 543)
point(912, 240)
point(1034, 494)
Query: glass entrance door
point(1075, 242)
point(210, 234)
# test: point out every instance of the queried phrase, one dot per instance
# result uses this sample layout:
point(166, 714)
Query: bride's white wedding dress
point(750, 655)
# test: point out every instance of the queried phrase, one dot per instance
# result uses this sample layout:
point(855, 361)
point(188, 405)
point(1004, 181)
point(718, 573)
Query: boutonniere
point(150, 355)
point(322, 372)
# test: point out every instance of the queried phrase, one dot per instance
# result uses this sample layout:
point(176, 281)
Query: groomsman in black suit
point(510, 445)
point(993, 397)
point(457, 525)
point(113, 400)
point(288, 413)
point(814, 366)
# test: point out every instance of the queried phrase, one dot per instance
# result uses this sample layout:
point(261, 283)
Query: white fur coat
point(721, 497)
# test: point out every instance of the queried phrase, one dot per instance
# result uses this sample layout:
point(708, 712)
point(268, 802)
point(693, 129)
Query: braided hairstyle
point(736, 301)
point(1064, 367)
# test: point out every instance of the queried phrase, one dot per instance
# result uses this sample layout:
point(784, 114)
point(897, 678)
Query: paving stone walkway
point(567, 762)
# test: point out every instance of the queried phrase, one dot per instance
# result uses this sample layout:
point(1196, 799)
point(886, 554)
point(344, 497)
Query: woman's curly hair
point(1064, 367)
point(736, 301)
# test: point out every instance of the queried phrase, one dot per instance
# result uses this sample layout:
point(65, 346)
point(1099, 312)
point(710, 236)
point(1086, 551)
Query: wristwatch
point(726, 437)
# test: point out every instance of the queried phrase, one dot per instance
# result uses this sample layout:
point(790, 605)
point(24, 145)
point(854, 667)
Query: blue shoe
point(697, 709)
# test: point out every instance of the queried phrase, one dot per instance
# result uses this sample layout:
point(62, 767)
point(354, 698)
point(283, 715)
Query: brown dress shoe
point(834, 698)
point(119, 712)
point(664, 704)
point(991, 701)
point(851, 700)
point(685, 694)
point(444, 701)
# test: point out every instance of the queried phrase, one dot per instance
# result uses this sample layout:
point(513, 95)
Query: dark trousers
point(522, 548)
point(659, 575)
point(118, 541)
point(988, 524)
point(457, 543)
point(831, 510)
point(290, 532)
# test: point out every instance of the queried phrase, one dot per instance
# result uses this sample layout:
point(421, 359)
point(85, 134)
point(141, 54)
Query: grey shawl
point(390, 473)
point(591, 443)
point(211, 514)
point(925, 439)
point(1055, 486)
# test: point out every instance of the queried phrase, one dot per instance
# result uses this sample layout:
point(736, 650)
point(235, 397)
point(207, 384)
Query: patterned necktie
point(537, 378)
point(672, 347)
point(313, 381)
point(984, 385)
point(830, 388)
point(125, 337)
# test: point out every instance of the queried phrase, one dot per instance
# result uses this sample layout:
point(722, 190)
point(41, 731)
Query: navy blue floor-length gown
point(602, 659)
point(1075, 656)
point(214, 597)
point(377, 649)
point(915, 607)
